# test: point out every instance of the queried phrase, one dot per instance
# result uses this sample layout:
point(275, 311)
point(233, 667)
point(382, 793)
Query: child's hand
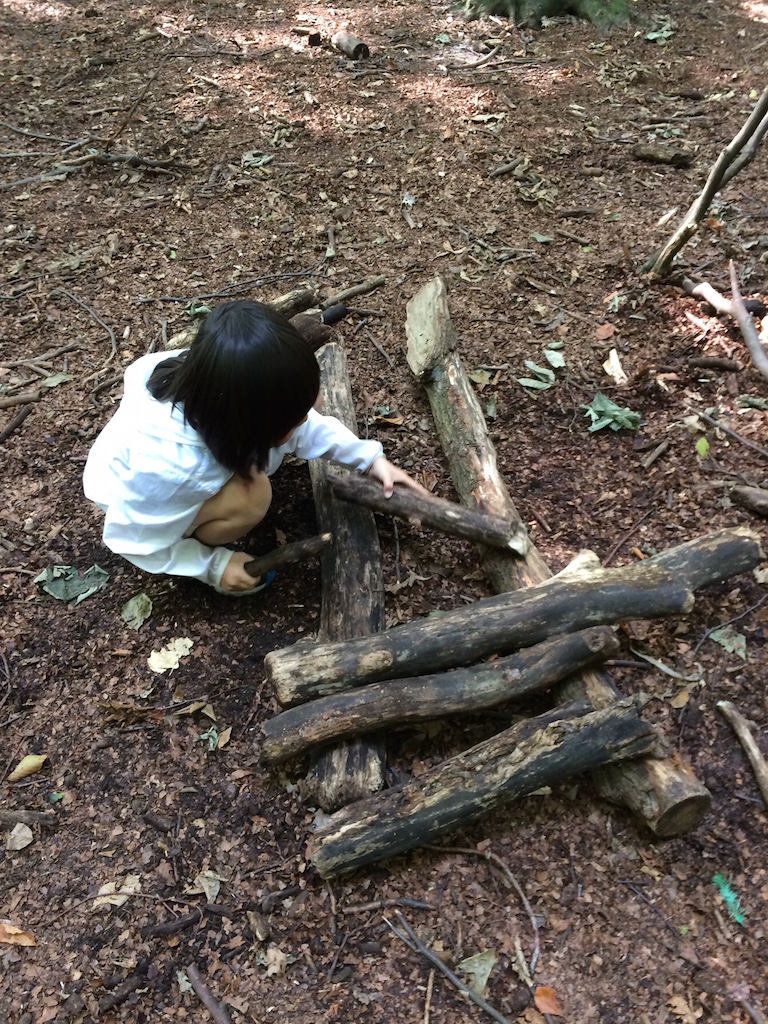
point(389, 475)
point(234, 577)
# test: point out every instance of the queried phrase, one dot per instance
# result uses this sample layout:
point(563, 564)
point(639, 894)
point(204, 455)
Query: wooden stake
point(299, 551)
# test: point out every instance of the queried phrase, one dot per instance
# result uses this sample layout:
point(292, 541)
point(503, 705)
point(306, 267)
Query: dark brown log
point(287, 554)
point(435, 512)
point(538, 752)
point(753, 498)
point(571, 601)
point(665, 794)
point(352, 600)
point(401, 702)
point(312, 329)
point(350, 45)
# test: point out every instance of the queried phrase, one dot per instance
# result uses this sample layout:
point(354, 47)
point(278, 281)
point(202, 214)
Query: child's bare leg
point(237, 508)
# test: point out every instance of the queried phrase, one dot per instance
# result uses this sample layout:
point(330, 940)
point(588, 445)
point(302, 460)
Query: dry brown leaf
point(546, 1001)
point(28, 765)
point(604, 332)
point(15, 936)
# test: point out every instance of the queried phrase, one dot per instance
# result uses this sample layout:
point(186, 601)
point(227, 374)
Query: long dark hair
point(247, 380)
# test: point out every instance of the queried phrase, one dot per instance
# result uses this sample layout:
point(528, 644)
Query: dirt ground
point(253, 146)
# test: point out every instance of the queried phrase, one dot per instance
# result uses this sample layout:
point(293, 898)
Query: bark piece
point(298, 551)
point(540, 751)
point(673, 155)
point(435, 512)
point(664, 793)
point(584, 597)
point(753, 498)
point(401, 702)
point(352, 599)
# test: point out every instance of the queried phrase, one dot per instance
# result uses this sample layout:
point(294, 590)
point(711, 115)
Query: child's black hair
point(246, 381)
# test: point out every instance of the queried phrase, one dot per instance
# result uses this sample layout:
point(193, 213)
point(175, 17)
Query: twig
point(363, 908)
point(414, 943)
point(728, 431)
point(121, 993)
point(369, 285)
point(212, 1005)
point(132, 109)
point(34, 135)
point(499, 863)
point(22, 399)
point(506, 168)
point(107, 328)
point(28, 817)
point(476, 63)
point(739, 725)
point(335, 960)
point(44, 357)
point(747, 326)
point(428, 997)
point(16, 422)
point(633, 888)
point(735, 618)
point(380, 348)
point(620, 544)
point(171, 927)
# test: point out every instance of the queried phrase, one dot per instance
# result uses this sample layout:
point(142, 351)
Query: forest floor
point(269, 144)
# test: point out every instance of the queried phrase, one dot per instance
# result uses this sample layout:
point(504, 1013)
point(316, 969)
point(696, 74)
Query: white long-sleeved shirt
point(150, 472)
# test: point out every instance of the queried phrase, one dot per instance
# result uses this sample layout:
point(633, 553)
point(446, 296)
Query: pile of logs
point(341, 692)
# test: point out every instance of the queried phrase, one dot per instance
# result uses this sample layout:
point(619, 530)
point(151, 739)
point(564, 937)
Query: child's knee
point(258, 497)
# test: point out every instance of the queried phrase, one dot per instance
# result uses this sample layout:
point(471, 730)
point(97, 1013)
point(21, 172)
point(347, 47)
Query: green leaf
point(65, 584)
point(210, 736)
point(53, 798)
point(542, 238)
point(733, 642)
point(55, 379)
point(542, 372)
point(752, 402)
point(481, 377)
point(730, 899)
point(702, 447)
point(136, 611)
point(197, 309)
point(556, 359)
point(443, 37)
point(605, 413)
point(539, 385)
point(478, 968)
point(613, 216)
point(490, 409)
point(255, 158)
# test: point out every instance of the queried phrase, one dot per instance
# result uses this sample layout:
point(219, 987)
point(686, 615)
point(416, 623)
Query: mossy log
point(352, 600)
point(538, 752)
point(397, 703)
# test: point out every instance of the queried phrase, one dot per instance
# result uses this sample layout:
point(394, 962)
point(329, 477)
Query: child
point(183, 466)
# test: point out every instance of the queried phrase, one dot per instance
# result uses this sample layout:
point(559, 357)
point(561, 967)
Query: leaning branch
point(747, 326)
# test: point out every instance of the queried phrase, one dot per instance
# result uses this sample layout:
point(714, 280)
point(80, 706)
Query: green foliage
point(730, 899)
point(602, 13)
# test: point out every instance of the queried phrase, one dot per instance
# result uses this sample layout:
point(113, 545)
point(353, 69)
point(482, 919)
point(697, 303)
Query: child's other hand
point(234, 577)
point(388, 475)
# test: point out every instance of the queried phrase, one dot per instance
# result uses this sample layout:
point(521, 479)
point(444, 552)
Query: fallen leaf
point(276, 961)
point(604, 332)
point(680, 700)
point(546, 1001)
point(19, 837)
point(110, 896)
point(207, 882)
point(168, 657)
point(28, 765)
point(15, 936)
point(135, 612)
point(224, 737)
point(478, 967)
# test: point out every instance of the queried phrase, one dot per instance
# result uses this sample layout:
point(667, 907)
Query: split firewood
point(352, 600)
point(538, 752)
point(740, 726)
point(289, 304)
point(350, 45)
point(753, 498)
point(658, 586)
point(435, 512)
point(288, 554)
point(397, 703)
point(664, 793)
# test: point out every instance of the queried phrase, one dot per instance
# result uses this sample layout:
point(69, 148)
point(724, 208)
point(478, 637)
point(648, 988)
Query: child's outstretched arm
point(388, 474)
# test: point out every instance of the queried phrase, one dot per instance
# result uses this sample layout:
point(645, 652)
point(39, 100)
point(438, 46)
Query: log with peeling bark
point(396, 703)
point(442, 515)
point(753, 498)
point(288, 554)
point(663, 792)
point(538, 752)
point(352, 600)
point(658, 586)
point(289, 304)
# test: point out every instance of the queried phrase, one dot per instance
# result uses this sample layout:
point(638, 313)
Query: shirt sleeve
point(325, 437)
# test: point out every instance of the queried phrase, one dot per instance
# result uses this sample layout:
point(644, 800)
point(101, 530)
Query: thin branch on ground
point(728, 431)
point(107, 328)
point(363, 908)
point(736, 618)
point(620, 543)
point(411, 939)
point(747, 326)
point(744, 735)
point(206, 997)
point(16, 422)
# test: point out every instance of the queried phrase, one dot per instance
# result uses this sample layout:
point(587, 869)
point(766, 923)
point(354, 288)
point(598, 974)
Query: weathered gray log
point(664, 793)
point(352, 600)
point(397, 703)
point(435, 512)
point(659, 586)
point(538, 752)
point(753, 498)
point(287, 554)
point(350, 45)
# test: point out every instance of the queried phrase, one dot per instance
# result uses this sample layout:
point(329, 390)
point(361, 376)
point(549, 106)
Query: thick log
point(350, 45)
point(396, 703)
point(435, 512)
point(664, 793)
point(538, 752)
point(585, 597)
point(298, 551)
point(753, 498)
point(352, 600)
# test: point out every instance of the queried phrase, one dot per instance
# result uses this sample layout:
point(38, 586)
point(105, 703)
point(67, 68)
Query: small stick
point(506, 168)
point(107, 328)
point(16, 422)
point(380, 348)
point(620, 544)
point(657, 452)
point(21, 399)
point(287, 554)
point(428, 999)
point(739, 725)
point(44, 357)
point(212, 1005)
point(414, 942)
point(363, 908)
point(476, 63)
point(171, 927)
point(728, 431)
point(370, 284)
point(27, 817)
point(121, 993)
point(350, 45)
